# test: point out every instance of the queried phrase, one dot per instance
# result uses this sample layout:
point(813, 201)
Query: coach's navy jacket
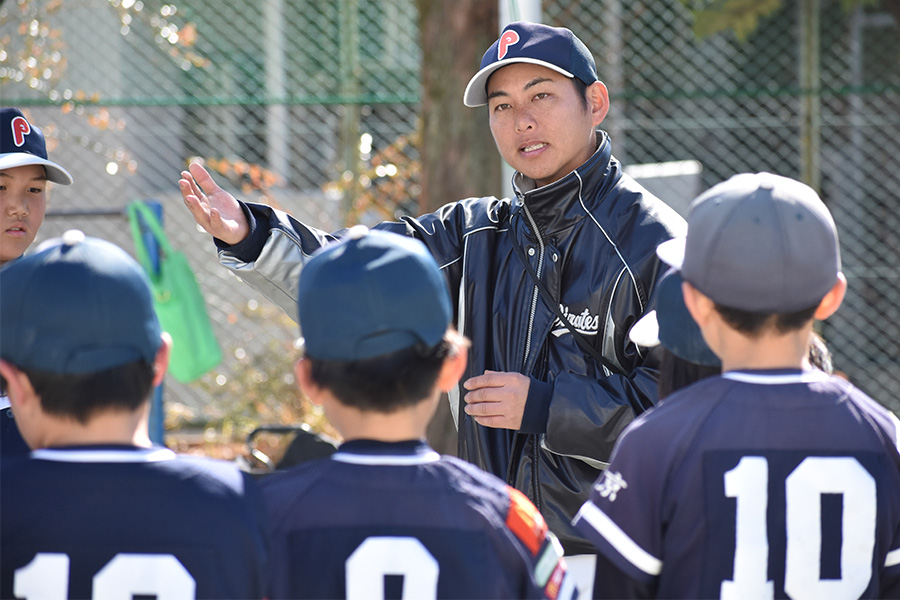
point(592, 237)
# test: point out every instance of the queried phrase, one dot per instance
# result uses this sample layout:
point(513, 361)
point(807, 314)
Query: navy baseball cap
point(369, 294)
point(758, 242)
point(671, 325)
point(556, 48)
point(22, 143)
point(77, 305)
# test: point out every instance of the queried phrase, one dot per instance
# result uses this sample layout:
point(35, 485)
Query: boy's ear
point(452, 370)
point(18, 386)
point(832, 299)
point(161, 361)
point(699, 305)
point(303, 372)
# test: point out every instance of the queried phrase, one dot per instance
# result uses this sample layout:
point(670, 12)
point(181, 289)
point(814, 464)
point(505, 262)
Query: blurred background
point(347, 111)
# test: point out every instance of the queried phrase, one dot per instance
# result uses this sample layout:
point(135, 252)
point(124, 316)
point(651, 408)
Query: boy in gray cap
point(94, 510)
point(386, 515)
point(773, 479)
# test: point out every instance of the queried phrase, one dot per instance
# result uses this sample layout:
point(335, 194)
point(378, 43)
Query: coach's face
point(541, 126)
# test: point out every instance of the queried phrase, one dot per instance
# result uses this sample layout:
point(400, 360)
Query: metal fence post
point(157, 416)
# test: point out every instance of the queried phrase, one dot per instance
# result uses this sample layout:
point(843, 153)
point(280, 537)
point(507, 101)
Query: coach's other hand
point(216, 211)
point(497, 399)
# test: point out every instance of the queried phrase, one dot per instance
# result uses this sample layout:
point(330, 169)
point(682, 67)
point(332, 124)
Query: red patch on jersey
point(20, 128)
point(552, 588)
point(509, 38)
point(525, 521)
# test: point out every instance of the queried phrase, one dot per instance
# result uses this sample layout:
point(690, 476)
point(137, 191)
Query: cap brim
point(671, 252)
point(55, 173)
point(476, 92)
point(645, 332)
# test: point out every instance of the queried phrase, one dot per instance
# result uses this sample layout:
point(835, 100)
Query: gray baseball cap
point(760, 243)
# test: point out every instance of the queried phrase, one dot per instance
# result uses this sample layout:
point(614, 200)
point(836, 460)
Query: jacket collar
point(560, 204)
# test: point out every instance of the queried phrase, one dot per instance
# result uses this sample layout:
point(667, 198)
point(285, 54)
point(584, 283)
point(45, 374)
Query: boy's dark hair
point(125, 387)
point(753, 324)
point(385, 383)
point(676, 372)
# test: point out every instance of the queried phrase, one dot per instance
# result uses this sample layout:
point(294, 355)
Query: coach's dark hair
point(676, 372)
point(390, 382)
point(81, 396)
point(581, 91)
point(753, 324)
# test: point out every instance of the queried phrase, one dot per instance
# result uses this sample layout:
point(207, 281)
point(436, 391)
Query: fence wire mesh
point(312, 106)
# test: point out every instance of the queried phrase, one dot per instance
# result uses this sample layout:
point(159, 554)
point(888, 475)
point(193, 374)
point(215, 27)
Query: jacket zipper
point(535, 292)
point(535, 458)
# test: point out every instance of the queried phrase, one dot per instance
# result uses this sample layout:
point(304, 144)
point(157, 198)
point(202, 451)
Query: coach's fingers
point(198, 209)
point(202, 178)
point(197, 192)
point(490, 379)
point(495, 422)
point(488, 414)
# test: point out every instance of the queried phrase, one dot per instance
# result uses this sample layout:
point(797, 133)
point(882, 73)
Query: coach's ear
point(598, 101)
point(832, 299)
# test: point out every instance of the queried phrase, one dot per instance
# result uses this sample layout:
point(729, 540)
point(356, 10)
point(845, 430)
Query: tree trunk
point(459, 158)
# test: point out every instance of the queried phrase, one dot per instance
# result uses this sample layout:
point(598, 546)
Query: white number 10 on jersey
point(126, 575)
point(748, 482)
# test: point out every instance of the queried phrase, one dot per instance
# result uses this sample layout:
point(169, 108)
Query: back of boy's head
point(374, 310)
point(759, 244)
point(77, 308)
point(22, 143)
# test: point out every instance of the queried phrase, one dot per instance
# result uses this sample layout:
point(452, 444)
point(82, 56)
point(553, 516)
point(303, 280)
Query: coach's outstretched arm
point(214, 209)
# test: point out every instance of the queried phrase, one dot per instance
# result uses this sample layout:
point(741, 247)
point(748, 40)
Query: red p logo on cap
point(509, 38)
point(20, 128)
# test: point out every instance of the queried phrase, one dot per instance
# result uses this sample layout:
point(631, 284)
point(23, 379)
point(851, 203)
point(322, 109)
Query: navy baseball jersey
point(755, 484)
point(121, 521)
point(391, 520)
point(11, 441)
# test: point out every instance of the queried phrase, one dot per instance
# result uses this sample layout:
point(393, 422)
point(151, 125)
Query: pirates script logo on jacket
point(584, 323)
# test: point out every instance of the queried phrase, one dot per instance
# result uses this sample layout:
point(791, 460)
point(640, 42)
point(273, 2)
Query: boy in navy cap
point(386, 515)
point(95, 510)
point(552, 377)
point(773, 479)
point(24, 173)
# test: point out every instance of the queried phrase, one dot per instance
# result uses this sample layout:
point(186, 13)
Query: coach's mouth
point(533, 147)
point(17, 231)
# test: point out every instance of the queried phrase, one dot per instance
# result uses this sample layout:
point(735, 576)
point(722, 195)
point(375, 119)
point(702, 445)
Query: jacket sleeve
point(587, 414)
point(271, 258)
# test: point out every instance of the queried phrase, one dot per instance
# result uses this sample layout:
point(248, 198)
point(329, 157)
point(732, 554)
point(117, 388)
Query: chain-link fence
point(812, 91)
point(312, 106)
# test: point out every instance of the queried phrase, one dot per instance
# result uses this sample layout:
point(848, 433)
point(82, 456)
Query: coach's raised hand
point(214, 209)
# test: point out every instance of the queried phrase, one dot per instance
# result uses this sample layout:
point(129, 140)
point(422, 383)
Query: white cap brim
point(671, 252)
point(646, 331)
point(55, 173)
point(476, 92)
